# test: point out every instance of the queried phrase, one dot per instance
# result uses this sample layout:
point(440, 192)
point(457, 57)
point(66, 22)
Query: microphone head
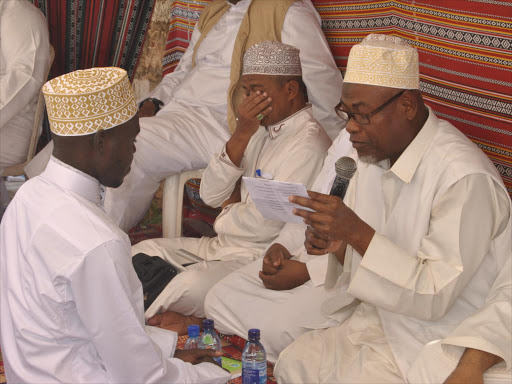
point(345, 167)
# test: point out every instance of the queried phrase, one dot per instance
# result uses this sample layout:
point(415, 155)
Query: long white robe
point(443, 232)
point(292, 150)
point(294, 312)
point(192, 125)
point(71, 306)
point(24, 63)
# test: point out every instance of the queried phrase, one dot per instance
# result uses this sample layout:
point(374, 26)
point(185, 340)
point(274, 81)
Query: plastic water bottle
point(210, 339)
point(254, 360)
point(193, 337)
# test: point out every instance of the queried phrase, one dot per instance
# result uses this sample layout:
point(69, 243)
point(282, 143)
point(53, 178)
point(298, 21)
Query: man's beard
point(369, 159)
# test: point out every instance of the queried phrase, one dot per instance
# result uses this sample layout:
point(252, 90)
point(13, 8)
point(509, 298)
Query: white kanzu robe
point(192, 125)
point(24, 63)
point(71, 306)
point(443, 233)
point(294, 312)
point(292, 150)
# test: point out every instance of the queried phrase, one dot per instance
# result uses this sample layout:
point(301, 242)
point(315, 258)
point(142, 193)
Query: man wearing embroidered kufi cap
point(276, 137)
point(414, 265)
point(71, 302)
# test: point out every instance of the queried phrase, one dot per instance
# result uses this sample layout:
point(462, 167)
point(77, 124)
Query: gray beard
point(369, 159)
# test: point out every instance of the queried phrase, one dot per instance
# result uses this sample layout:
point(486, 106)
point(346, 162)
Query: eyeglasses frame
point(367, 116)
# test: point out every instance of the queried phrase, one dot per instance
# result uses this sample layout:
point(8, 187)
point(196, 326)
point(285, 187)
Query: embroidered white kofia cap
point(272, 58)
point(87, 101)
point(383, 60)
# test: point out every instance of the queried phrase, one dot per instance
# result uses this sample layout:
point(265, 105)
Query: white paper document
point(271, 198)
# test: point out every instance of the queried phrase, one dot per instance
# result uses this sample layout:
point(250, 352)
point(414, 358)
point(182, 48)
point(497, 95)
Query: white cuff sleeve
point(219, 179)
point(317, 268)
point(165, 339)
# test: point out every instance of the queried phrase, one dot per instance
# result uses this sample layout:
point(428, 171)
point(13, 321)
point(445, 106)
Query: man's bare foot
point(174, 321)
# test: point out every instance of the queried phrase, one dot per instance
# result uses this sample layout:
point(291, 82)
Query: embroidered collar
point(291, 121)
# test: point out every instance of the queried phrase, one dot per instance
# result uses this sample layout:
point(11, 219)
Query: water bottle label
point(207, 339)
point(254, 376)
point(250, 376)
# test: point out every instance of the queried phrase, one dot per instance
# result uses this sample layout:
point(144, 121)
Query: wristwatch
point(157, 103)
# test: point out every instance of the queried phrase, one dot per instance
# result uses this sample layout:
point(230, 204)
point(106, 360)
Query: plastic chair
point(172, 205)
point(17, 169)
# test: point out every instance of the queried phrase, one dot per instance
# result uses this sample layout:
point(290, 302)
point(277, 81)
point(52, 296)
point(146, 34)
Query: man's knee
point(211, 301)
point(301, 360)
point(194, 287)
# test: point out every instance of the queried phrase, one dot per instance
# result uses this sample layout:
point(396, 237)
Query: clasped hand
point(279, 272)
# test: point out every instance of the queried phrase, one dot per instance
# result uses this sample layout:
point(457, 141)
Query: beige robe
point(443, 233)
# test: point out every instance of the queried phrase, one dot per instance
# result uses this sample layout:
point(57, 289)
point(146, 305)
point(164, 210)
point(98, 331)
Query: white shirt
point(207, 83)
point(443, 232)
point(24, 63)
point(71, 305)
point(292, 150)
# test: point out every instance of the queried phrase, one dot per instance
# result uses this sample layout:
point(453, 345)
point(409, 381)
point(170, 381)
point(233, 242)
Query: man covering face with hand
point(277, 135)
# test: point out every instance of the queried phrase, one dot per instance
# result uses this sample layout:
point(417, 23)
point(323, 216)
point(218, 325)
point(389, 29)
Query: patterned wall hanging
point(96, 33)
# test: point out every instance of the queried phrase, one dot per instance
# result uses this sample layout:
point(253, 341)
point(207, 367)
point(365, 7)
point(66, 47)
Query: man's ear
point(292, 89)
point(99, 142)
point(410, 105)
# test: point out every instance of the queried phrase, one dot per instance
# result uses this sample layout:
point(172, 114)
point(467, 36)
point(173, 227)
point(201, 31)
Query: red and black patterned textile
point(464, 47)
point(96, 33)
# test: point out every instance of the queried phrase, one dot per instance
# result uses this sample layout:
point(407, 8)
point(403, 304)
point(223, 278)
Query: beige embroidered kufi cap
point(87, 101)
point(383, 60)
point(272, 58)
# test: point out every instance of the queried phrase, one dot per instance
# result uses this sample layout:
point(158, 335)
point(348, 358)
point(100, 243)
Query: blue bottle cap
point(254, 334)
point(208, 324)
point(193, 330)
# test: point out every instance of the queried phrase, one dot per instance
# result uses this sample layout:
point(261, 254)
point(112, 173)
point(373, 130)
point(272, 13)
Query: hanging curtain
point(184, 16)
point(465, 61)
point(96, 33)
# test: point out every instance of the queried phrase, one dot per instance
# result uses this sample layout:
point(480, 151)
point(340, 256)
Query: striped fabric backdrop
point(95, 33)
point(465, 59)
point(465, 53)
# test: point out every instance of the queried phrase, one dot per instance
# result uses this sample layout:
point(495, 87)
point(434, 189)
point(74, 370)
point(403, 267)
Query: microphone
point(345, 168)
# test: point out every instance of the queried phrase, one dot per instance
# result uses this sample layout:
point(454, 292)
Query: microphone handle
point(339, 187)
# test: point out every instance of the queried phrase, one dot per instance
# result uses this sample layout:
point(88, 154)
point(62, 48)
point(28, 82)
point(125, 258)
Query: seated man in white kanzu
point(71, 305)
point(292, 290)
point(408, 265)
point(289, 145)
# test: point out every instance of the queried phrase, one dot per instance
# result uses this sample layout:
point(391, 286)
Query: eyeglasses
point(364, 118)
